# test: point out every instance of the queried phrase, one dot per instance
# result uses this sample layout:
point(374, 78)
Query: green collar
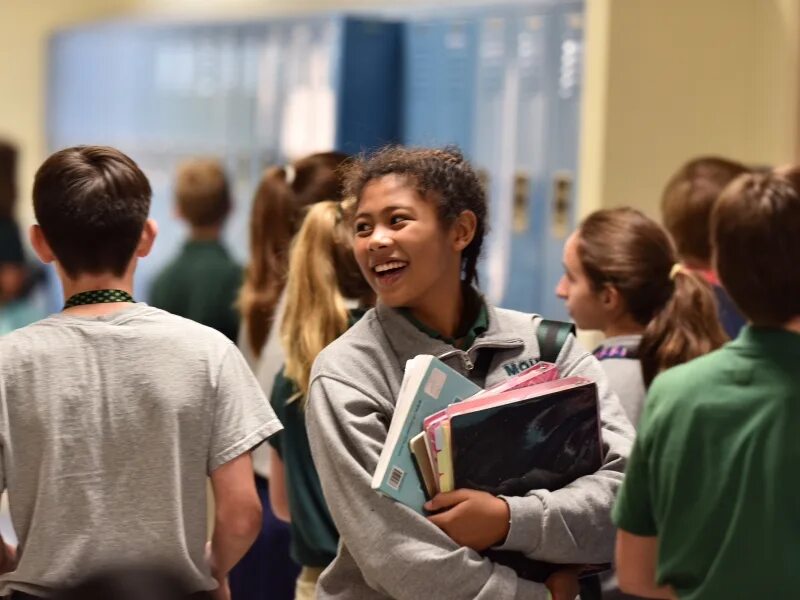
point(768, 340)
point(204, 245)
point(474, 321)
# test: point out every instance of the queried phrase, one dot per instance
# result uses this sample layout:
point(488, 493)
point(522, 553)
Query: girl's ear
point(464, 229)
point(611, 298)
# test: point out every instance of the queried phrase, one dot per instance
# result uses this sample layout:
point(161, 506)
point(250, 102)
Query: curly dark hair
point(443, 175)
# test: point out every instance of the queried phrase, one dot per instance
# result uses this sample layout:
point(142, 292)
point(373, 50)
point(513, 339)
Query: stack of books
point(534, 431)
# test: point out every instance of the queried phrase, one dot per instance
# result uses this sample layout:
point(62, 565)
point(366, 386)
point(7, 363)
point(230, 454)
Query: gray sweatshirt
point(387, 549)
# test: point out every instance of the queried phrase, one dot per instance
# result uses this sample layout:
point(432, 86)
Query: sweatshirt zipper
point(467, 360)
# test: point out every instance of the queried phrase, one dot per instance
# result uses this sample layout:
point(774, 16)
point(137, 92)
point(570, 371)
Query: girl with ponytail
point(281, 199)
point(622, 277)
point(325, 294)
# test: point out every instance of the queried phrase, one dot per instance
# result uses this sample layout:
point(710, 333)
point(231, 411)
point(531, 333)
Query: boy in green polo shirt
point(202, 282)
point(709, 507)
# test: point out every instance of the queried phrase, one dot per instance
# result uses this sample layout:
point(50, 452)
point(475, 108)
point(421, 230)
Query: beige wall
point(670, 80)
point(665, 80)
point(24, 27)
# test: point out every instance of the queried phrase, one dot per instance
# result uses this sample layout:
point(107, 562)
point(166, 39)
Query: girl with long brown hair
point(622, 277)
point(282, 196)
point(279, 206)
point(325, 294)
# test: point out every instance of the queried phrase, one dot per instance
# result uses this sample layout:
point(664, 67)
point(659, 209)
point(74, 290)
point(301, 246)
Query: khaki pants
point(306, 588)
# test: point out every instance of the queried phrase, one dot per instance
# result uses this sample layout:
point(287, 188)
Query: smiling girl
point(418, 229)
point(622, 277)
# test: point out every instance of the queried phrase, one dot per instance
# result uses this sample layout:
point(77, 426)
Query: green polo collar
point(474, 321)
point(768, 341)
point(193, 246)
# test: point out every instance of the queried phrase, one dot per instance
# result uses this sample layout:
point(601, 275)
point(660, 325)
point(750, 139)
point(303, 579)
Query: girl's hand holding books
point(563, 584)
point(471, 518)
point(8, 557)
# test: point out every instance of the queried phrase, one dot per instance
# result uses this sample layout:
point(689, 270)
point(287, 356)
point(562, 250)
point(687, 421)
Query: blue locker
point(519, 126)
point(165, 92)
point(370, 83)
point(566, 75)
point(493, 156)
point(440, 78)
point(523, 291)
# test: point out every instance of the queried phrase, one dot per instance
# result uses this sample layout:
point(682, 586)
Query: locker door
point(78, 107)
point(524, 291)
point(565, 82)
point(494, 144)
point(269, 88)
point(422, 94)
point(309, 105)
point(441, 68)
point(368, 86)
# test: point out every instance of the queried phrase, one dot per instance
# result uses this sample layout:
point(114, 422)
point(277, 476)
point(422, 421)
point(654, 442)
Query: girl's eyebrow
point(384, 210)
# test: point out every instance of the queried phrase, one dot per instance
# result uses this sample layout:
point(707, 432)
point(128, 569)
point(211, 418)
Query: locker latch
point(562, 197)
point(522, 195)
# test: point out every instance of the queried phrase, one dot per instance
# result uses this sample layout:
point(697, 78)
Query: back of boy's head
point(202, 192)
point(91, 203)
point(441, 175)
point(756, 236)
point(687, 202)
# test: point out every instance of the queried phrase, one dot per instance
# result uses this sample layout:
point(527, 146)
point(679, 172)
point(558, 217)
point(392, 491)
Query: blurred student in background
point(325, 294)
point(708, 509)
point(201, 283)
point(622, 277)
point(686, 212)
point(281, 200)
point(17, 278)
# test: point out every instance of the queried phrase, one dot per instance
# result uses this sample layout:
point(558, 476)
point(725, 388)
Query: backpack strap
point(551, 336)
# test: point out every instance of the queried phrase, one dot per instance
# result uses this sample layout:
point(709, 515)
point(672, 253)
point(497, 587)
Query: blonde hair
point(322, 273)
point(277, 212)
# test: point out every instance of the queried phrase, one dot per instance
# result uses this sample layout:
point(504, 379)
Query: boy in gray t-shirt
point(113, 413)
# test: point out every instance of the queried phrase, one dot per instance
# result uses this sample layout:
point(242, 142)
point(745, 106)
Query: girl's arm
point(573, 524)
point(278, 498)
point(398, 552)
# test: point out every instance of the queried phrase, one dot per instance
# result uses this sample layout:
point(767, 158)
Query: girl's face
point(402, 250)
point(584, 304)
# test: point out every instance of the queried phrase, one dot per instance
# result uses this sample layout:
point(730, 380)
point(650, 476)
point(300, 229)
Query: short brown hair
point(687, 202)
point(202, 192)
point(91, 203)
point(756, 235)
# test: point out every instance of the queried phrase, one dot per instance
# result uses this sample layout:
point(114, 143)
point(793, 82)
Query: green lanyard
point(98, 297)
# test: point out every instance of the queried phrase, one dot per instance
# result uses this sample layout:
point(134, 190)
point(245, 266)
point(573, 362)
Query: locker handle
point(521, 202)
point(562, 199)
